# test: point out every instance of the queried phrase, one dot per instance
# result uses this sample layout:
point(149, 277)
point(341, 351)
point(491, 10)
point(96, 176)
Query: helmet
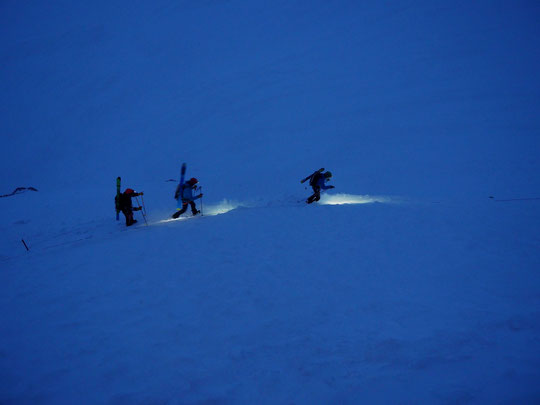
point(328, 175)
point(129, 191)
point(193, 181)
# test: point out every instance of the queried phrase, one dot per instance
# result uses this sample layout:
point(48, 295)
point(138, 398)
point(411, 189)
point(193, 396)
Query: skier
point(125, 205)
point(317, 182)
point(185, 195)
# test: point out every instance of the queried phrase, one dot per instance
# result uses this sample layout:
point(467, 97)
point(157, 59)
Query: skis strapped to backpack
point(178, 192)
point(117, 199)
point(311, 177)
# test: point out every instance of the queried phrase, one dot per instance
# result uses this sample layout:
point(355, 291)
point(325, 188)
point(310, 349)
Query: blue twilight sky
point(418, 98)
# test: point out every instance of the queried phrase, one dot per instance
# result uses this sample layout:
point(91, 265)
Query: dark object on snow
point(317, 182)
point(123, 202)
point(19, 190)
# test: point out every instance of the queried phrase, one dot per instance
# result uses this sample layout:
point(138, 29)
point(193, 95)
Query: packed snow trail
point(61, 231)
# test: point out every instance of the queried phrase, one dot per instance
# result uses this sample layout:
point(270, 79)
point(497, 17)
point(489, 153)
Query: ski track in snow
point(103, 229)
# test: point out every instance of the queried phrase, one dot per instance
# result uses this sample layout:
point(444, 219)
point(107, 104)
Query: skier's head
point(129, 191)
point(327, 175)
point(193, 181)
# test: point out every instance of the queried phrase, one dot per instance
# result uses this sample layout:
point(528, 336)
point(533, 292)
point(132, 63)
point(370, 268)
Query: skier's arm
point(199, 188)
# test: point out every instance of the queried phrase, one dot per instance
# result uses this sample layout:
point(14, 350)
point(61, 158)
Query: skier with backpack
point(184, 195)
point(124, 204)
point(317, 182)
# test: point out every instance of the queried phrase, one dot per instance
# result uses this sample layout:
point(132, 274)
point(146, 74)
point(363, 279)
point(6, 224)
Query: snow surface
point(405, 284)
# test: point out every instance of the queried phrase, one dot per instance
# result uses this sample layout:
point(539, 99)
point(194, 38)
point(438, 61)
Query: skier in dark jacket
point(317, 182)
point(125, 205)
point(185, 197)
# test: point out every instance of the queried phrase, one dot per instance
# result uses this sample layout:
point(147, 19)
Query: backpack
point(315, 178)
point(179, 191)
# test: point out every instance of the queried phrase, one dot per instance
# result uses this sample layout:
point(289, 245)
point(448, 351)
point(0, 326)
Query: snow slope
point(406, 284)
point(366, 303)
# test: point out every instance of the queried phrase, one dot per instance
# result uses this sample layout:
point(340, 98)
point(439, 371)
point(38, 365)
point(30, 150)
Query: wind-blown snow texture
point(405, 284)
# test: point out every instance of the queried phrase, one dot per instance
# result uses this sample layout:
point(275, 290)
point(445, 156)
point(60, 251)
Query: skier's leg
point(129, 217)
point(194, 210)
point(316, 195)
point(180, 212)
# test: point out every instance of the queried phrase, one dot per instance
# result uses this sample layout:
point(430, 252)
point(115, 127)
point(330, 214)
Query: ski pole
point(142, 211)
point(201, 203)
point(143, 206)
